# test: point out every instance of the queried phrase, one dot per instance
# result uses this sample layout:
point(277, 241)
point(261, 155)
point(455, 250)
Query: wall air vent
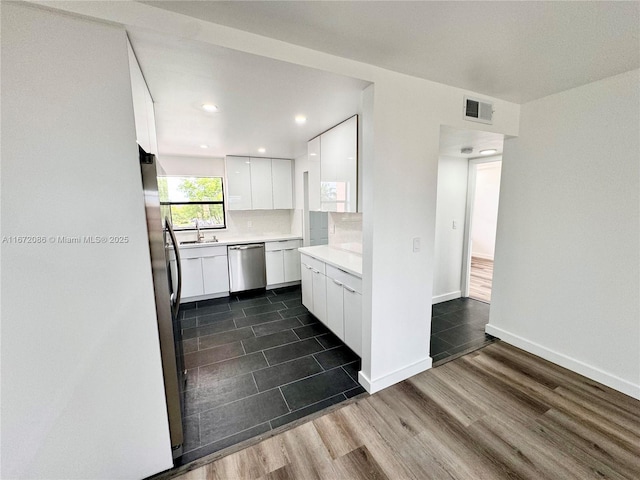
point(478, 111)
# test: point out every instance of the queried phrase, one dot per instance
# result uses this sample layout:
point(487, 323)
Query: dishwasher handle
point(246, 247)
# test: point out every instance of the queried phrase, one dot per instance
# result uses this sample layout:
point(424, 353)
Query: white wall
point(448, 246)
point(485, 210)
point(82, 389)
point(566, 283)
point(399, 176)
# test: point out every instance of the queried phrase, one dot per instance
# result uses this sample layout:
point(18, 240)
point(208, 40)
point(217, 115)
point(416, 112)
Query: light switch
point(416, 244)
point(454, 225)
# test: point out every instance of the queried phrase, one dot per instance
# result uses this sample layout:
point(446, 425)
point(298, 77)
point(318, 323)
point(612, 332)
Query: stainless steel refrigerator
point(167, 295)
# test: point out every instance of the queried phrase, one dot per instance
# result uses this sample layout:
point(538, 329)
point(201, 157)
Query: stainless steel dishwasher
point(247, 269)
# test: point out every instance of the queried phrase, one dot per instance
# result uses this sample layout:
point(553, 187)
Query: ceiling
point(517, 51)
point(452, 140)
point(258, 99)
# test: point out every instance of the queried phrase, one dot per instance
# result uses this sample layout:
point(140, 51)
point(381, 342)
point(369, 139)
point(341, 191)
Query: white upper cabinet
point(142, 107)
point(313, 157)
point(333, 180)
point(261, 184)
point(238, 183)
point(339, 167)
point(282, 180)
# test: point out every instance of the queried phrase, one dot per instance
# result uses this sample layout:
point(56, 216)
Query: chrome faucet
point(200, 234)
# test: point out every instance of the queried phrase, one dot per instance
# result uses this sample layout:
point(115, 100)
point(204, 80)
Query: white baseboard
point(565, 361)
point(482, 256)
point(393, 377)
point(445, 297)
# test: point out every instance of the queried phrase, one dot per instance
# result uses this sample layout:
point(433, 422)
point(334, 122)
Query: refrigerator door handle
point(175, 296)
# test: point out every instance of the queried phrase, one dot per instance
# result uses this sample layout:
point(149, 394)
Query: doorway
point(460, 312)
point(482, 219)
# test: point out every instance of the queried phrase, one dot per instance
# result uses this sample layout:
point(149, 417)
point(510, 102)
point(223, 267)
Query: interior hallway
point(481, 279)
point(496, 413)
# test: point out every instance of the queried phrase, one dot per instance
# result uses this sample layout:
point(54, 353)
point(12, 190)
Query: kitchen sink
point(195, 242)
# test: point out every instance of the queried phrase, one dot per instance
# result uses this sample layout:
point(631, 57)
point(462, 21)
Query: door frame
point(468, 224)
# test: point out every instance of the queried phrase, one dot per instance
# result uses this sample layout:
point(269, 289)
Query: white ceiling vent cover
point(478, 111)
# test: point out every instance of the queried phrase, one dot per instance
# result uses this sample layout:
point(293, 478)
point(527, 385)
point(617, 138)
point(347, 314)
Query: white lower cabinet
point(335, 298)
point(307, 285)
point(192, 284)
point(215, 274)
point(291, 259)
point(275, 267)
point(282, 262)
point(320, 295)
point(205, 272)
point(352, 302)
point(335, 307)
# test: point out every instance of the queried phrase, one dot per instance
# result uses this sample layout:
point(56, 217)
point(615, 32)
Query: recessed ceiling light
point(262, 150)
point(210, 107)
point(489, 151)
point(301, 119)
point(204, 146)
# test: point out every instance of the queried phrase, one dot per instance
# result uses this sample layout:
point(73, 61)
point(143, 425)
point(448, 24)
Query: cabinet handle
point(349, 289)
point(338, 283)
point(315, 271)
point(306, 266)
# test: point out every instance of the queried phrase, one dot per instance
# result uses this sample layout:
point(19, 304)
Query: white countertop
point(347, 261)
point(242, 240)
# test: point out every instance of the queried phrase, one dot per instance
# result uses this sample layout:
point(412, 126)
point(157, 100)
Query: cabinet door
point(347, 166)
point(238, 188)
point(329, 142)
point(215, 274)
point(320, 296)
point(307, 286)
point(139, 92)
point(338, 167)
point(275, 267)
point(353, 320)
point(261, 184)
point(335, 316)
point(192, 283)
point(282, 176)
point(313, 157)
point(151, 124)
point(291, 259)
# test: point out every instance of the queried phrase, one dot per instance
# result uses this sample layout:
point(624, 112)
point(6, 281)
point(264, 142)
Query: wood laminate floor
point(496, 413)
point(481, 279)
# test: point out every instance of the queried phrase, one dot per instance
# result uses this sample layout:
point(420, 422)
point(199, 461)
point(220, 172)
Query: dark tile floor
point(458, 326)
point(255, 362)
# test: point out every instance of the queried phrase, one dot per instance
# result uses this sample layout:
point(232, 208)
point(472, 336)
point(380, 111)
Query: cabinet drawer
point(199, 252)
point(281, 245)
point(346, 279)
point(312, 262)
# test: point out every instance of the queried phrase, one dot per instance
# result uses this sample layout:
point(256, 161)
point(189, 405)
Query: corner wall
point(566, 282)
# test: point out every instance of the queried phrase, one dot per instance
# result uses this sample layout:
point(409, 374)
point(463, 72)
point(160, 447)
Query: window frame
point(198, 202)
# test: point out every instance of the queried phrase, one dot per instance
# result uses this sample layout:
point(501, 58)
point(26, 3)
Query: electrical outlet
point(249, 224)
point(416, 244)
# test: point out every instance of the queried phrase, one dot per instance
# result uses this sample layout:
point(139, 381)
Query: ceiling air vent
point(478, 111)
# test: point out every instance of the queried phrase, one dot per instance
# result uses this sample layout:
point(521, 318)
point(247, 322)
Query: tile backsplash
point(345, 231)
point(245, 223)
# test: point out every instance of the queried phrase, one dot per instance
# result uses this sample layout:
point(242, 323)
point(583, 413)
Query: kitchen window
point(188, 201)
